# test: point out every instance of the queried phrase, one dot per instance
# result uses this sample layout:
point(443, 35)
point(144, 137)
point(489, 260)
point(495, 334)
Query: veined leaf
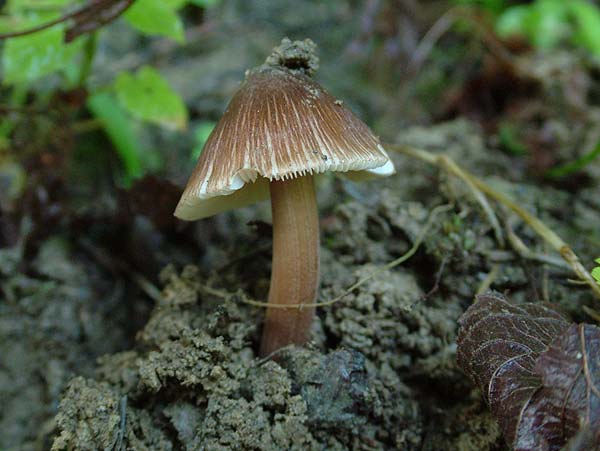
point(27, 58)
point(148, 96)
point(119, 129)
point(569, 398)
point(540, 374)
point(587, 29)
point(155, 17)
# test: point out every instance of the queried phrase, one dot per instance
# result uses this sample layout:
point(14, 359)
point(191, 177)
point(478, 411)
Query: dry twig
point(227, 296)
point(547, 234)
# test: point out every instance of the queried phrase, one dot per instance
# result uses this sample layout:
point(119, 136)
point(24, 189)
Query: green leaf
point(20, 6)
point(155, 17)
point(548, 23)
point(587, 25)
point(576, 165)
point(148, 96)
point(175, 4)
point(201, 134)
point(596, 271)
point(493, 6)
point(27, 58)
point(205, 3)
point(513, 21)
point(509, 140)
point(119, 129)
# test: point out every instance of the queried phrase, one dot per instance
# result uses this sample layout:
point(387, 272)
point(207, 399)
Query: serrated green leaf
point(120, 131)
point(27, 58)
point(155, 17)
point(148, 96)
point(587, 25)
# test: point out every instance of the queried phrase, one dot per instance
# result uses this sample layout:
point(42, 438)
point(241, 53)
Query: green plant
point(546, 23)
point(596, 271)
point(50, 46)
point(201, 134)
point(576, 165)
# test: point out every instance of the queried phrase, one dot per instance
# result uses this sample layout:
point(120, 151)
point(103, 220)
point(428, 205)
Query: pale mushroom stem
point(295, 271)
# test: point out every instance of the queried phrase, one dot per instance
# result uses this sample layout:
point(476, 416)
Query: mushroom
point(280, 129)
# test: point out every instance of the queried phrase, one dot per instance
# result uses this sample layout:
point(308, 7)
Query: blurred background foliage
point(546, 24)
point(98, 94)
point(64, 57)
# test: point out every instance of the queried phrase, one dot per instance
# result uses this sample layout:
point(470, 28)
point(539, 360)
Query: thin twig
point(545, 283)
point(93, 8)
point(445, 23)
point(453, 168)
point(41, 27)
point(586, 365)
point(592, 313)
point(489, 280)
point(417, 243)
point(438, 279)
point(435, 32)
point(112, 263)
point(258, 251)
point(523, 251)
point(536, 224)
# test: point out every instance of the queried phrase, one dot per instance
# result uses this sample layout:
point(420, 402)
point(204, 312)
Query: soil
point(380, 373)
point(90, 363)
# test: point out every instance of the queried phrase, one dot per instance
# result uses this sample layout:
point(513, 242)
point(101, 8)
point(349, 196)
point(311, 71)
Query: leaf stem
point(547, 234)
point(89, 52)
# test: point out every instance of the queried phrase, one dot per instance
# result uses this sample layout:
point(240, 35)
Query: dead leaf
point(569, 398)
point(508, 351)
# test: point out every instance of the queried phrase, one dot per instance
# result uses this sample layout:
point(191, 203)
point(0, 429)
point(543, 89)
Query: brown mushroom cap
point(279, 125)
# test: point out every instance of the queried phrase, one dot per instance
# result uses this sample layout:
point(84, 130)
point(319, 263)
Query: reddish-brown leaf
point(539, 374)
point(569, 398)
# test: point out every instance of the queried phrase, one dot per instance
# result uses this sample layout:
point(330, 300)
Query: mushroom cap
point(278, 126)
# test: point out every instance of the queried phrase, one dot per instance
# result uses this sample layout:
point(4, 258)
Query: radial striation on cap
point(279, 125)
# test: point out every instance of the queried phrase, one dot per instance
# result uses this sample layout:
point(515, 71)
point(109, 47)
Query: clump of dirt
point(297, 56)
point(388, 321)
point(381, 371)
point(195, 378)
point(55, 320)
point(98, 417)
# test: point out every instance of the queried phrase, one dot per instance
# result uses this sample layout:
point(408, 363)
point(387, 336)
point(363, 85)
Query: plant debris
point(539, 374)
